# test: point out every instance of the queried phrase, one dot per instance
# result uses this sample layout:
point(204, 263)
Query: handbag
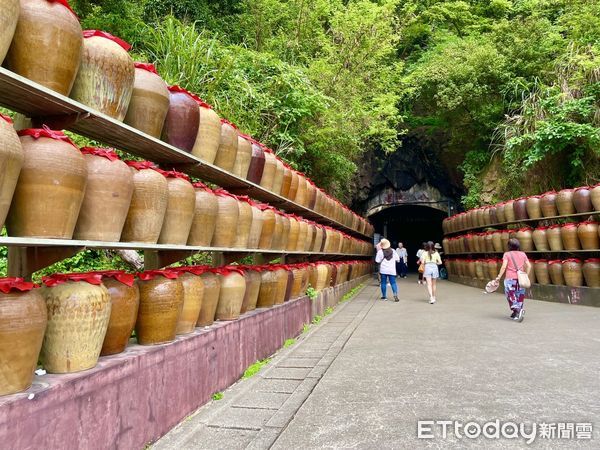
point(522, 277)
point(421, 268)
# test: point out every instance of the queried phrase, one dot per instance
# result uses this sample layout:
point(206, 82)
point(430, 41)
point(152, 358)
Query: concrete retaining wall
point(550, 293)
point(133, 398)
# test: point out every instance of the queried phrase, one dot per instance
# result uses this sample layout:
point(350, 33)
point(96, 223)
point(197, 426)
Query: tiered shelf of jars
point(46, 107)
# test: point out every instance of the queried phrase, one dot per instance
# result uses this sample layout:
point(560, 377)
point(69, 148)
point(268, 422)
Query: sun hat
point(437, 245)
point(492, 286)
point(385, 244)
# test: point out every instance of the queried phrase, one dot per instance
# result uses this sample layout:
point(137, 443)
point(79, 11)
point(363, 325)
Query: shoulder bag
point(522, 277)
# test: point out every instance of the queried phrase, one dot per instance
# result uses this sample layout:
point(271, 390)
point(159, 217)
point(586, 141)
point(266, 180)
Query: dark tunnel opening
point(410, 224)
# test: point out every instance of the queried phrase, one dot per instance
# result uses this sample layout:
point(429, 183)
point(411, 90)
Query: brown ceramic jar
point(244, 224)
point(595, 197)
point(268, 288)
point(257, 164)
point(534, 207)
point(300, 283)
point(78, 308)
point(277, 242)
point(572, 272)
point(252, 277)
point(227, 220)
point(480, 269)
point(8, 24)
point(269, 169)
point(243, 157)
point(555, 271)
point(582, 200)
point(301, 193)
point(228, 146)
point(269, 221)
point(107, 196)
point(525, 237)
point(278, 177)
point(282, 285)
point(11, 159)
point(212, 290)
point(509, 211)
point(193, 296)
point(548, 204)
point(591, 272)
point(587, 232)
point(205, 216)
point(52, 180)
point(506, 235)
point(182, 121)
point(564, 202)
point(23, 319)
point(553, 234)
point(471, 268)
point(497, 241)
point(568, 232)
point(124, 300)
point(231, 297)
point(287, 181)
point(520, 209)
point(180, 211)
point(541, 271)
point(149, 102)
point(47, 44)
point(148, 204)
point(208, 138)
point(540, 239)
point(500, 212)
point(161, 303)
point(106, 74)
point(256, 227)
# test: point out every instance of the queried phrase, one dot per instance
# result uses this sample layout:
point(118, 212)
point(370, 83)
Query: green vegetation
point(328, 311)
point(317, 319)
point(217, 396)
point(351, 293)
point(289, 343)
point(311, 292)
point(255, 368)
point(305, 328)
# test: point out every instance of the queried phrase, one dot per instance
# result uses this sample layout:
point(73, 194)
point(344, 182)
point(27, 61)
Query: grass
point(351, 293)
point(255, 368)
point(311, 292)
point(328, 311)
point(217, 396)
point(305, 328)
point(317, 319)
point(289, 342)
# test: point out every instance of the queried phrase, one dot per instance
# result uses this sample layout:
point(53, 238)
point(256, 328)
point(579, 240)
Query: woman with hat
point(387, 258)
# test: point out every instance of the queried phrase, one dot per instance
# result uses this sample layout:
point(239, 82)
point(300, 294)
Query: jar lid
point(147, 275)
point(60, 278)
point(15, 284)
point(143, 165)
point(200, 185)
point(569, 225)
point(46, 132)
point(548, 193)
point(96, 33)
point(65, 3)
point(195, 270)
point(175, 174)
point(525, 229)
point(506, 231)
point(223, 193)
point(555, 261)
point(541, 261)
point(582, 187)
point(108, 153)
point(541, 228)
point(227, 122)
point(592, 260)
point(588, 222)
point(573, 260)
point(146, 66)
point(552, 227)
point(179, 90)
point(566, 190)
point(119, 275)
point(6, 118)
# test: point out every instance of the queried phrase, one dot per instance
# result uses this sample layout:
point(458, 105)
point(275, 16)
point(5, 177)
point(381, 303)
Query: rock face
point(422, 170)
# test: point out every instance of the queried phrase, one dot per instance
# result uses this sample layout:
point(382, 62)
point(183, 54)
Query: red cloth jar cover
point(60, 278)
point(15, 284)
point(108, 153)
point(104, 34)
point(46, 132)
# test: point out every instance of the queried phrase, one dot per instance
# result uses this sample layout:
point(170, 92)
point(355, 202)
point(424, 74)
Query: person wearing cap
point(387, 258)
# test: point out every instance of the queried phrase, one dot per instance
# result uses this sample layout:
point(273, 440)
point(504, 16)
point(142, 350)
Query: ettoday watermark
point(497, 429)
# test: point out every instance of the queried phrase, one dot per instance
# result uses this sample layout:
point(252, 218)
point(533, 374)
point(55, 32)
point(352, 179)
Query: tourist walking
point(420, 270)
point(431, 259)
point(513, 262)
point(402, 265)
point(387, 258)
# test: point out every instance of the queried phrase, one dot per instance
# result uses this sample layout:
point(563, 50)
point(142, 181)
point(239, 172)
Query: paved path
point(369, 372)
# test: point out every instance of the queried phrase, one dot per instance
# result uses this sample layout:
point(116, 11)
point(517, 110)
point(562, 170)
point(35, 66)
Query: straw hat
point(384, 244)
point(492, 286)
point(437, 246)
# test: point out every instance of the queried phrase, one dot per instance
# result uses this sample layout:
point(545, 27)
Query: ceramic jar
point(582, 200)
point(278, 177)
point(269, 169)
point(268, 288)
point(47, 44)
point(149, 102)
point(591, 272)
point(489, 242)
point(294, 190)
point(548, 204)
point(257, 164)
point(206, 211)
point(509, 211)
point(233, 289)
point(124, 300)
point(212, 289)
point(256, 227)
point(148, 204)
point(540, 239)
point(23, 319)
point(182, 120)
point(572, 272)
point(293, 235)
point(564, 202)
point(480, 269)
point(301, 193)
point(303, 233)
point(541, 271)
point(520, 209)
point(276, 243)
point(300, 281)
point(8, 24)
point(497, 241)
point(568, 232)
point(282, 285)
point(51, 186)
point(107, 196)
point(252, 277)
point(595, 197)
point(588, 234)
point(208, 138)
point(323, 277)
point(525, 237)
point(472, 268)
point(269, 221)
point(244, 225)
point(287, 181)
point(553, 234)
point(500, 207)
point(79, 309)
point(161, 303)
point(493, 216)
point(534, 207)
point(491, 269)
point(228, 147)
point(555, 271)
point(181, 205)
point(11, 160)
point(243, 157)
point(286, 230)
point(193, 296)
point(227, 220)
point(106, 74)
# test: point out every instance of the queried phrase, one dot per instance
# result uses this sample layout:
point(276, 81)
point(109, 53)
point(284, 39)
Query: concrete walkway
point(368, 373)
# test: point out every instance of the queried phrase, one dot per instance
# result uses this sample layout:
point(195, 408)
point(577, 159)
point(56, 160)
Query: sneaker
point(396, 299)
point(384, 298)
point(520, 315)
point(513, 316)
point(432, 300)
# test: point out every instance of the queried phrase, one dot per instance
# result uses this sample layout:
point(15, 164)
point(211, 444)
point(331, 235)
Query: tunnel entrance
point(410, 224)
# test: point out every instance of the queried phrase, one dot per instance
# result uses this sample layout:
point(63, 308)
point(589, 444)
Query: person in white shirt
point(431, 259)
point(387, 258)
point(419, 254)
point(403, 263)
